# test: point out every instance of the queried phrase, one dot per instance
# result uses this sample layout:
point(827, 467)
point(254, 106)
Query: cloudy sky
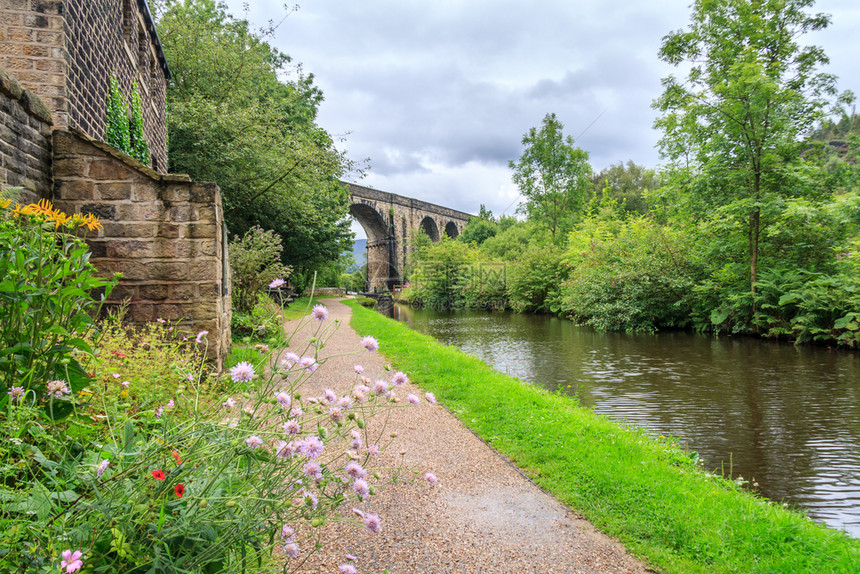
point(439, 94)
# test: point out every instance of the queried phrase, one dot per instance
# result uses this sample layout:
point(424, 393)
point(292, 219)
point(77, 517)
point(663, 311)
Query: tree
point(552, 175)
point(751, 91)
point(626, 183)
point(241, 115)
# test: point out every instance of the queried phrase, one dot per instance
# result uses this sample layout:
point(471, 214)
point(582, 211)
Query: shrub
point(638, 280)
point(255, 264)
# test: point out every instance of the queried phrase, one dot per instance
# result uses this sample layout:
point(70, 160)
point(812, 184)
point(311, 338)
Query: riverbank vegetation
point(752, 226)
point(648, 493)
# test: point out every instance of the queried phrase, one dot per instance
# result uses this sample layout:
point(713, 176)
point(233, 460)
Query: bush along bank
point(647, 493)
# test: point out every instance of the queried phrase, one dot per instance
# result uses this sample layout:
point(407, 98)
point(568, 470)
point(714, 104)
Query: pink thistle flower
point(125, 384)
point(283, 399)
point(292, 427)
point(356, 439)
point(309, 364)
point(296, 412)
point(345, 403)
point(358, 369)
point(201, 337)
point(431, 398)
point(170, 403)
point(285, 449)
point(158, 412)
point(292, 550)
point(102, 468)
point(276, 283)
point(254, 441)
point(320, 313)
point(311, 447)
point(380, 387)
point(58, 388)
point(242, 373)
point(373, 449)
point(370, 343)
point(330, 395)
point(287, 533)
point(229, 403)
point(360, 487)
point(291, 358)
point(16, 393)
point(310, 499)
point(431, 478)
point(313, 470)
point(355, 470)
point(71, 561)
point(116, 375)
point(347, 569)
point(399, 378)
point(413, 399)
point(371, 521)
point(336, 414)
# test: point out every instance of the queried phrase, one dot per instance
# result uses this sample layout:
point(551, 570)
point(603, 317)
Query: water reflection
point(787, 417)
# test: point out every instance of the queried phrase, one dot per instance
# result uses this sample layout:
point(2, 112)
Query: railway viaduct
point(389, 221)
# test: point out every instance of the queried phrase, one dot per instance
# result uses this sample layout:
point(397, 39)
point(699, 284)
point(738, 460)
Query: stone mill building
point(163, 232)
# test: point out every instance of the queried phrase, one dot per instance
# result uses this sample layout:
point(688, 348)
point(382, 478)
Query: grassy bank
point(647, 493)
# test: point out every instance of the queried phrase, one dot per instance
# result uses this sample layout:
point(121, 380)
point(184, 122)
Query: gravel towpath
point(483, 516)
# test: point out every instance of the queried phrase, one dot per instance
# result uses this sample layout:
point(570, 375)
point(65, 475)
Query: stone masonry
point(25, 140)
point(164, 233)
point(66, 50)
point(389, 221)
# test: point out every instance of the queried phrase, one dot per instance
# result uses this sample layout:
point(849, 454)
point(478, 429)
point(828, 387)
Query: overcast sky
point(439, 94)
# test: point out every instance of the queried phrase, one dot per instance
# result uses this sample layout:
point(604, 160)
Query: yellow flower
point(4, 203)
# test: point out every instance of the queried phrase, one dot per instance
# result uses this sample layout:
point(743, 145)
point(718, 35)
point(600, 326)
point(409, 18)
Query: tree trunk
point(755, 218)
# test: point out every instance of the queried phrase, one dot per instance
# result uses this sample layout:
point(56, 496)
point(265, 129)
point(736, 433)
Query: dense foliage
point(240, 115)
point(753, 227)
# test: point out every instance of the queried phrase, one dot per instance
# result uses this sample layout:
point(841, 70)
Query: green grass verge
point(299, 308)
point(645, 492)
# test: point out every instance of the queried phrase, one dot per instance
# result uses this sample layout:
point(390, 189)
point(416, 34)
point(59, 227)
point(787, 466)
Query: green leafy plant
point(117, 131)
point(255, 264)
point(49, 293)
point(138, 148)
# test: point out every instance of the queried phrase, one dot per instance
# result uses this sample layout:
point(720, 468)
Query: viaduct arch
point(389, 221)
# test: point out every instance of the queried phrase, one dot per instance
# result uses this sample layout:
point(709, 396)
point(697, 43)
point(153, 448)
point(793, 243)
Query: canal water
point(785, 417)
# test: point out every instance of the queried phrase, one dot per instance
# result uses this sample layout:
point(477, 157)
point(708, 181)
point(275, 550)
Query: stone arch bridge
point(389, 221)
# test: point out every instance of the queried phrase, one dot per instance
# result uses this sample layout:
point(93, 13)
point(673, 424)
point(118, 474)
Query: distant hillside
point(359, 254)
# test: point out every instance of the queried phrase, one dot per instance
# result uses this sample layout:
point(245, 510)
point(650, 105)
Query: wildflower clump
point(181, 470)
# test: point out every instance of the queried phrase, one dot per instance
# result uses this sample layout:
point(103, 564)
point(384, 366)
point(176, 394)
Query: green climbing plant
point(117, 131)
point(139, 149)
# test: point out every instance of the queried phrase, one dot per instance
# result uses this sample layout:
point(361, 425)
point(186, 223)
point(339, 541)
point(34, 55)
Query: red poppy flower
point(175, 455)
point(179, 489)
point(157, 474)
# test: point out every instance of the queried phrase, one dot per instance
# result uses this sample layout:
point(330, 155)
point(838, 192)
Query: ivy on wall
point(139, 147)
point(120, 132)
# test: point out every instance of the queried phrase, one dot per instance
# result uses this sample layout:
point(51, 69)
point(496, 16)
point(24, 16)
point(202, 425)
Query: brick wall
point(66, 50)
point(25, 140)
point(164, 233)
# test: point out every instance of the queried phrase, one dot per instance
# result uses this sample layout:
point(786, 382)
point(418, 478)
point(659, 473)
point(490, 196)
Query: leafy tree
point(552, 175)
point(627, 183)
point(240, 115)
point(750, 92)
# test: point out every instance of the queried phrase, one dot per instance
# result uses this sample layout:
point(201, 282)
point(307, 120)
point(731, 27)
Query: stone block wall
point(66, 50)
point(164, 233)
point(25, 140)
